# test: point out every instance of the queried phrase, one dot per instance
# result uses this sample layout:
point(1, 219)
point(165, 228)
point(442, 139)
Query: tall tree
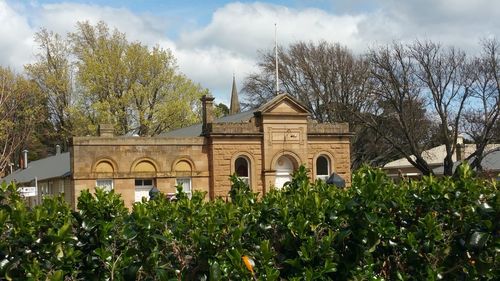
point(161, 98)
point(400, 116)
point(20, 106)
point(102, 74)
point(139, 90)
point(52, 73)
point(328, 78)
point(482, 120)
point(446, 76)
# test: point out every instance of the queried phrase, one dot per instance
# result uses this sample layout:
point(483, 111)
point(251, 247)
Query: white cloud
point(245, 28)
point(461, 23)
point(16, 38)
point(230, 41)
point(62, 18)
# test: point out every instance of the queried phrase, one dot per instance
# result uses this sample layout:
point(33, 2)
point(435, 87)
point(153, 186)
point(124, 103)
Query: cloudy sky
point(214, 39)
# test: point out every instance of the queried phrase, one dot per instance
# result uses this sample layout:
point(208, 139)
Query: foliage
point(94, 75)
point(375, 230)
point(20, 113)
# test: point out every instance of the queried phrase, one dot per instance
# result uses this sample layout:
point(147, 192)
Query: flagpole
point(276, 57)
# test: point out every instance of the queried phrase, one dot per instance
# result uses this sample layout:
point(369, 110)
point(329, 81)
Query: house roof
point(491, 162)
point(268, 106)
point(56, 166)
point(435, 156)
point(196, 130)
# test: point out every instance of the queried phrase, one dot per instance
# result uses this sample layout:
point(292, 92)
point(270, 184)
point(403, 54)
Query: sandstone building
point(262, 146)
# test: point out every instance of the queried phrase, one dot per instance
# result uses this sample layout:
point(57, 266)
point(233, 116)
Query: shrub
point(375, 230)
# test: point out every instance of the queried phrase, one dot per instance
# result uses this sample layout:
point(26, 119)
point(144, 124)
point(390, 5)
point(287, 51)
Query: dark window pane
point(322, 166)
point(241, 167)
point(148, 182)
point(138, 182)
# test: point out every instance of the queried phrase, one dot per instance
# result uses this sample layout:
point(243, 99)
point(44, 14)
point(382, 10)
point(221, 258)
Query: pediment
point(284, 104)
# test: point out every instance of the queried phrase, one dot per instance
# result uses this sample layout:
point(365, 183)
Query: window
point(107, 184)
point(44, 188)
point(186, 185)
point(242, 169)
point(61, 186)
point(183, 171)
point(322, 168)
point(142, 188)
point(284, 169)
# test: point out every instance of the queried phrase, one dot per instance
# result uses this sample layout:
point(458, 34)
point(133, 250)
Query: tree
point(52, 73)
point(399, 99)
point(446, 76)
point(427, 87)
point(20, 106)
point(400, 116)
point(482, 119)
point(127, 84)
point(221, 110)
point(102, 74)
point(327, 78)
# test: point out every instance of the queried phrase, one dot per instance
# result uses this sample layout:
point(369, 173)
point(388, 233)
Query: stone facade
point(262, 147)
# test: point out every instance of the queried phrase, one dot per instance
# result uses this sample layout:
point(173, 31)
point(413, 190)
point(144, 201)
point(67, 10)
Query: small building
point(262, 147)
point(435, 156)
point(50, 176)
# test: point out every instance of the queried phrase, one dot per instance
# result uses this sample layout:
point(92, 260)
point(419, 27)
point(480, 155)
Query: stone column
point(207, 102)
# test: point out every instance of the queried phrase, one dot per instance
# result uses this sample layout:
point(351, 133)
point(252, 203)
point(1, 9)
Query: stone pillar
point(207, 103)
point(460, 149)
point(106, 130)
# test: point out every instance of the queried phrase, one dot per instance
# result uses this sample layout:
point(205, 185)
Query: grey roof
point(55, 166)
point(195, 130)
point(491, 162)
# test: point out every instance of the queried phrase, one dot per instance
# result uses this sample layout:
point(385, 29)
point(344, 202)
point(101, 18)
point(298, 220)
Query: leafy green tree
point(138, 89)
point(221, 110)
point(20, 109)
point(52, 72)
point(102, 74)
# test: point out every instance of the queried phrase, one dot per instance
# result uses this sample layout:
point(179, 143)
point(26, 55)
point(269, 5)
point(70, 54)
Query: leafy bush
point(375, 230)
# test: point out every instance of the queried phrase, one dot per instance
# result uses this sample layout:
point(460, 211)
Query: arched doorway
point(284, 168)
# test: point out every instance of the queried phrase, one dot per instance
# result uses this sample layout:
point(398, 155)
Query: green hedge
point(376, 230)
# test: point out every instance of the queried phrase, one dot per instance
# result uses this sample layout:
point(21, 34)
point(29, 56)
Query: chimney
point(207, 103)
point(106, 130)
point(58, 149)
point(25, 159)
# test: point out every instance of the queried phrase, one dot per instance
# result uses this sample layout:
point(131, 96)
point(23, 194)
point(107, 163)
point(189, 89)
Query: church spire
point(235, 103)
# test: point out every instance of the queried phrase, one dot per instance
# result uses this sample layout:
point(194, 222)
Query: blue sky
point(214, 39)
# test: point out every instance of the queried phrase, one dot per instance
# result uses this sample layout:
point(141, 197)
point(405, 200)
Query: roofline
point(282, 96)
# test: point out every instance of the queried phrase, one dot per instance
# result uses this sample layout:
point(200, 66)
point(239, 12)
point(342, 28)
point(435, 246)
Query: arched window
point(183, 172)
point(145, 167)
point(242, 169)
point(145, 171)
point(322, 168)
point(104, 171)
point(284, 169)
